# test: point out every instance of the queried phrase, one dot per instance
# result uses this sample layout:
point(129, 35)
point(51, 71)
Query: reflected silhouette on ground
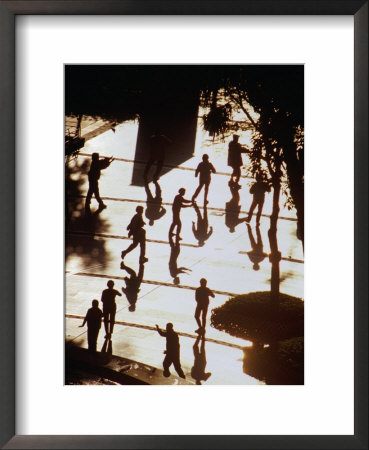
point(174, 270)
point(257, 254)
point(233, 207)
point(154, 208)
point(198, 370)
point(201, 230)
point(133, 283)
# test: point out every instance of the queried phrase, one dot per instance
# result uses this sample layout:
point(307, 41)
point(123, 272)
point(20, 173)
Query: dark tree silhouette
point(271, 102)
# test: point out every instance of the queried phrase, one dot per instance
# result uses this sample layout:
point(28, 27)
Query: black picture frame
point(8, 11)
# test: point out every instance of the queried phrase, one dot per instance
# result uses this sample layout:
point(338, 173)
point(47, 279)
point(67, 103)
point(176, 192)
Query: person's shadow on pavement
point(133, 283)
point(257, 254)
point(198, 370)
point(233, 207)
point(174, 270)
point(154, 209)
point(201, 233)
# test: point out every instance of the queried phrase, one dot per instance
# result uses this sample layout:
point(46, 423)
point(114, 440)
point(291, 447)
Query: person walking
point(202, 295)
point(205, 169)
point(137, 232)
point(109, 307)
point(179, 202)
point(258, 190)
point(172, 352)
point(94, 174)
point(93, 319)
point(234, 157)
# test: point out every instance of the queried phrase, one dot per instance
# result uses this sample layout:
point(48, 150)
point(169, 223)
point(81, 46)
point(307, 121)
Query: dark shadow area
point(282, 363)
point(276, 331)
point(198, 370)
point(82, 367)
point(174, 270)
point(154, 208)
point(201, 230)
point(253, 317)
point(133, 283)
point(233, 208)
point(170, 102)
point(159, 96)
point(80, 227)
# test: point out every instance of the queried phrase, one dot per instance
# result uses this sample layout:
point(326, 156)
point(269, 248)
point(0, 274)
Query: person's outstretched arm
point(189, 202)
point(84, 322)
point(213, 169)
point(197, 170)
point(162, 333)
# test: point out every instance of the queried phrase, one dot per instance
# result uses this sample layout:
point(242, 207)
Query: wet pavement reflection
point(215, 243)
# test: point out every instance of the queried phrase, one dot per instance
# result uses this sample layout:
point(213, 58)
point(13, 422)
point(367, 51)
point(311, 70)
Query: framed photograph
point(186, 224)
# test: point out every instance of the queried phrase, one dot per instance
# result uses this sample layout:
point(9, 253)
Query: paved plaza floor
point(94, 245)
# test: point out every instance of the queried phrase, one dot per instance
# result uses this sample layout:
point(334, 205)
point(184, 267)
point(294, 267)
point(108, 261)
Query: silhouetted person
point(94, 173)
point(258, 190)
point(172, 350)
point(154, 208)
point(109, 307)
point(256, 255)
point(173, 265)
point(198, 370)
point(137, 232)
point(133, 283)
point(201, 233)
point(158, 144)
point(178, 203)
point(205, 168)
point(233, 207)
point(202, 295)
point(93, 319)
point(234, 157)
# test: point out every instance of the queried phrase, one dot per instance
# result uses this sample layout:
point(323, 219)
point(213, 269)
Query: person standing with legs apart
point(258, 191)
point(178, 203)
point(109, 307)
point(234, 158)
point(94, 174)
point(138, 234)
point(93, 319)
point(202, 295)
point(205, 168)
point(172, 350)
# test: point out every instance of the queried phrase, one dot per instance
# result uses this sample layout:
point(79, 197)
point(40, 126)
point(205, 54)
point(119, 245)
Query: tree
point(271, 101)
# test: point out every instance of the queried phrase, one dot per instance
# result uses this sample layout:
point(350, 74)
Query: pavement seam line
point(150, 328)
